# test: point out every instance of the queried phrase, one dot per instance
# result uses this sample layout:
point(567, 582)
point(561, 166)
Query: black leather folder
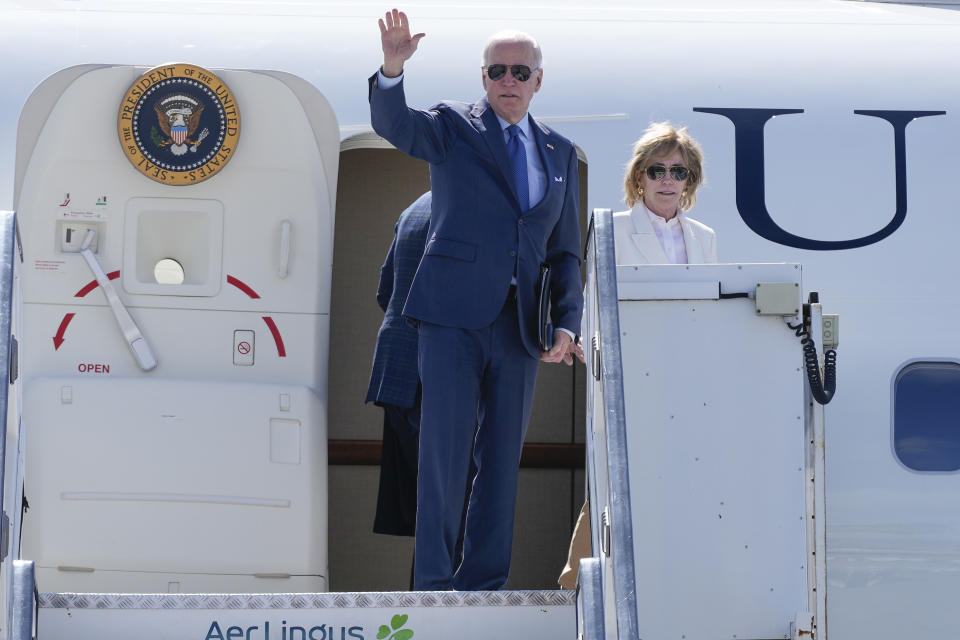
point(544, 326)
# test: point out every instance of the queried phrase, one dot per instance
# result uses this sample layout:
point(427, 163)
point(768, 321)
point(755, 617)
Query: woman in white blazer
point(661, 184)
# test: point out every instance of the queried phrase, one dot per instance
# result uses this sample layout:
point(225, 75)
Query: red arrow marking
point(58, 339)
point(281, 351)
point(243, 287)
point(90, 286)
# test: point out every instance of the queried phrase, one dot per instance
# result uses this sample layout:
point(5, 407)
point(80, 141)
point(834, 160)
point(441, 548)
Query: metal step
point(437, 615)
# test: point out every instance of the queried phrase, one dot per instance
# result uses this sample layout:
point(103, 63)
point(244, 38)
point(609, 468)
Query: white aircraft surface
point(829, 131)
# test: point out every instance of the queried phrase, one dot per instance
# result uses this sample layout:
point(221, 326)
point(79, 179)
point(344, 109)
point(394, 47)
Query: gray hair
point(512, 36)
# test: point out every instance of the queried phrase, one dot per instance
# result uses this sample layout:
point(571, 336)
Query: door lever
point(139, 346)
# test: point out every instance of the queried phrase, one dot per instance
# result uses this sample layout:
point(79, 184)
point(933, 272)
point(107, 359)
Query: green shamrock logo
point(396, 622)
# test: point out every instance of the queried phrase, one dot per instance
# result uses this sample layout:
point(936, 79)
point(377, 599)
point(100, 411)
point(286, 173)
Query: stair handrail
point(24, 600)
point(610, 514)
point(7, 253)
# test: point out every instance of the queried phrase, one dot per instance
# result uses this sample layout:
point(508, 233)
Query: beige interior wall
point(375, 185)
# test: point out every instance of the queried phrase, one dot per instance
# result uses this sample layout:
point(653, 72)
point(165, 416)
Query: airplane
point(826, 126)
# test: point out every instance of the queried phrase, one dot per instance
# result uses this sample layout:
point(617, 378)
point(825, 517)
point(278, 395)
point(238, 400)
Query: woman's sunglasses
point(519, 71)
point(658, 171)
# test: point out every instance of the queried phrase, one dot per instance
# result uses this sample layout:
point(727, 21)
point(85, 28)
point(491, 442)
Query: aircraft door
point(177, 227)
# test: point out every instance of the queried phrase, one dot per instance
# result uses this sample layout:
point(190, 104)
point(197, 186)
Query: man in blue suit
point(504, 203)
point(394, 379)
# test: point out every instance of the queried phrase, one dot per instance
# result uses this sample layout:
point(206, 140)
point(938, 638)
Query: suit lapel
point(546, 147)
point(645, 238)
point(694, 251)
point(485, 120)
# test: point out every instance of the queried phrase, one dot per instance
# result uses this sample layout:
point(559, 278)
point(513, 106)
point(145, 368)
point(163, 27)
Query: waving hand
point(398, 44)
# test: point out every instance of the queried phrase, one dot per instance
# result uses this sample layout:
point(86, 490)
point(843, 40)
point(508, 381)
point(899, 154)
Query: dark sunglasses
point(658, 171)
point(519, 71)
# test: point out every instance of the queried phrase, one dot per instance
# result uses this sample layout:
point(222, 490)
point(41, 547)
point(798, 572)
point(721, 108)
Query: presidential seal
point(178, 124)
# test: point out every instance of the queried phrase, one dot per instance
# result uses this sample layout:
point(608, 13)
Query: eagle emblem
point(178, 124)
point(179, 117)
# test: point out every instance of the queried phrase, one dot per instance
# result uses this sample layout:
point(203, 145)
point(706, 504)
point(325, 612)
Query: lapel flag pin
point(550, 146)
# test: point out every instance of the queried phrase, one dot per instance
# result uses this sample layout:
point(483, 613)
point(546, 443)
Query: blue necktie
point(518, 158)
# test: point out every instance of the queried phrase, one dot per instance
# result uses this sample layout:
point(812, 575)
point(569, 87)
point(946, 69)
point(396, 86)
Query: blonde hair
point(659, 140)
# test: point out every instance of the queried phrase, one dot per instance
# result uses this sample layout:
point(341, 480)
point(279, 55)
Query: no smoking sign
point(243, 342)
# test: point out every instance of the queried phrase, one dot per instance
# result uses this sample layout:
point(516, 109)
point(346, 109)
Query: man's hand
point(576, 348)
point(397, 43)
point(560, 351)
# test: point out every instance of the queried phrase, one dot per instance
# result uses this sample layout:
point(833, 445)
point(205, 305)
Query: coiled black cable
point(824, 389)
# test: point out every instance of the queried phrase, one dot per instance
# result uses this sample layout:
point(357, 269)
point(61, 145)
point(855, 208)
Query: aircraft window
point(168, 271)
point(926, 403)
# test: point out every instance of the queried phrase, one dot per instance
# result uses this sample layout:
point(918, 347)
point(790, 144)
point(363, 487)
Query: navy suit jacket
point(478, 234)
point(394, 378)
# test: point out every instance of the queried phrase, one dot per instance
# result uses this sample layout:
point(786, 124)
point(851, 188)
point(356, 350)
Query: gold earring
point(640, 193)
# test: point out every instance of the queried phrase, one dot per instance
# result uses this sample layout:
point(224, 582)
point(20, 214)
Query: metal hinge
point(802, 626)
point(595, 355)
point(605, 532)
point(14, 359)
point(16, 230)
point(4, 536)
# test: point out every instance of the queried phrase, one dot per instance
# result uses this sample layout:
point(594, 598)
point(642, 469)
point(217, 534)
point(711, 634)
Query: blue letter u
point(751, 197)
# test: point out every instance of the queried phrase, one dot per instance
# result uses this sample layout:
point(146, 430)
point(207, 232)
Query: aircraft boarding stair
point(704, 449)
point(301, 616)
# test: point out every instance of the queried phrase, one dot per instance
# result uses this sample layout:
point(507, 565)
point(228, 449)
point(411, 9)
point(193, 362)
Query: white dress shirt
point(386, 83)
point(670, 234)
point(636, 241)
